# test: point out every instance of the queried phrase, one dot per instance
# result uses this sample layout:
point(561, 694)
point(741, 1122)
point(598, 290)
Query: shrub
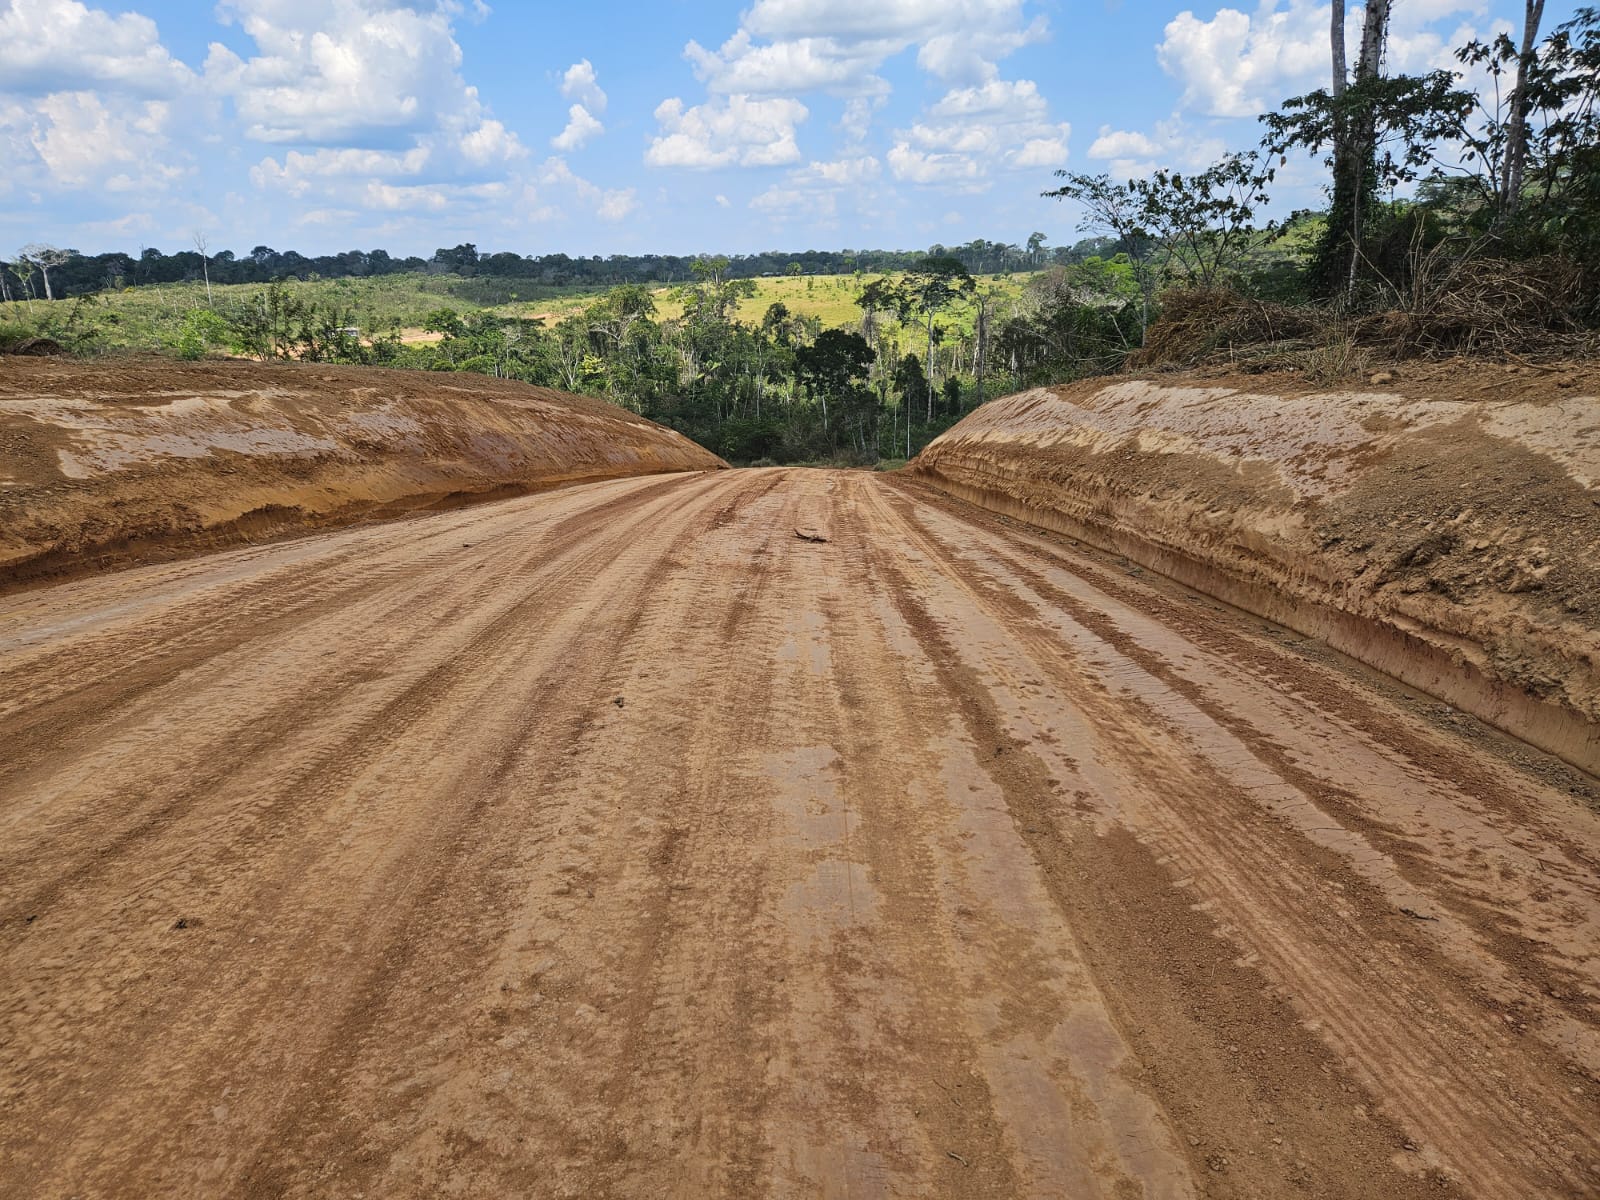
point(200, 330)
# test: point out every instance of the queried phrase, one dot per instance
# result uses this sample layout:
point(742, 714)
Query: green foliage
point(1401, 119)
point(1072, 322)
point(66, 325)
point(835, 364)
point(1521, 179)
point(444, 321)
point(1116, 210)
point(1194, 229)
point(200, 331)
point(745, 440)
point(1204, 222)
point(910, 383)
point(756, 369)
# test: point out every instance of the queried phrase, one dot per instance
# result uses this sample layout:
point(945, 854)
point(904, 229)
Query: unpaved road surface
point(619, 842)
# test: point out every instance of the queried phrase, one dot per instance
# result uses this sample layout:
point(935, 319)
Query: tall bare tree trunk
point(1342, 156)
point(1360, 134)
point(1517, 127)
point(205, 263)
point(1336, 37)
point(44, 256)
point(980, 352)
point(1374, 31)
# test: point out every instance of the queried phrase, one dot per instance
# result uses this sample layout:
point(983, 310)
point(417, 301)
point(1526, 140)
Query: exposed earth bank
point(1444, 527)
point(106, 464)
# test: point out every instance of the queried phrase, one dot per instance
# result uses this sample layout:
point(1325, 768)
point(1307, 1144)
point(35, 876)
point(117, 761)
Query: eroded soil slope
point(1444, 530)
point(103, 464)
point(618, 842)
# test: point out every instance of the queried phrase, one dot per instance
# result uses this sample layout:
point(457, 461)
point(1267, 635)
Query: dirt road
point(619, 842)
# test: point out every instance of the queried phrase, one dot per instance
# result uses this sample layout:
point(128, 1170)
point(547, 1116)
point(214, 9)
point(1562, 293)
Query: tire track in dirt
point(619, 842)
point(576, 683)
point(1241, 867)
point(1457, 827)
point(304, 645)
point(67, 681)
point(1215, 1098)
point(342, 765)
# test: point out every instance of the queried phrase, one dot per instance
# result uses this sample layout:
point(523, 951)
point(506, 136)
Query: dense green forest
point(1458, 221)
point(61, 274)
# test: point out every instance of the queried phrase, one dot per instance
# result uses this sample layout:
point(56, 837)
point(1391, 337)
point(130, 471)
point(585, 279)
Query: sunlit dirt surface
point(618, 841)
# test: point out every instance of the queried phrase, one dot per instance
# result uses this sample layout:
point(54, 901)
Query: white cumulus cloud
point(608, 204)
point(81, 140)
point(959, 41)
point(49, 46)
point(783, 49)
point(930, 167)
point(1130, 153)
point(727, 131)
point(1238, 64)
point(368, 101)
point(582, 83)
point(812, 193)
point(581, 127)
point(788, 67)
point(90, 102)
point(1004, 123)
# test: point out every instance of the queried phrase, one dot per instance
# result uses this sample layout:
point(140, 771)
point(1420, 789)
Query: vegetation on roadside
point(1496, 250)
point(864, 356)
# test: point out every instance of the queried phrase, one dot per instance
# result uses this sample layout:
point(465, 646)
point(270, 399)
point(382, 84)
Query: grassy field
point(831, 298)
point(149, 317)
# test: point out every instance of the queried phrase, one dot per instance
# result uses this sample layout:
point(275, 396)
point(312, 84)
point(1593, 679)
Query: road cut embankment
point(1445, 531)
point(107, 464)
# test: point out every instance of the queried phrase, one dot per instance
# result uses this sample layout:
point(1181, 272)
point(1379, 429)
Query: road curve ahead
point(619, 841)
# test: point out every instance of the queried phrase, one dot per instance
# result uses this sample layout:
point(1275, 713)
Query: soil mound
point(105, 464)
point(1444, 528)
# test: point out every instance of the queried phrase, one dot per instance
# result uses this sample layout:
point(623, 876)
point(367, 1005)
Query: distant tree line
point(48, 272)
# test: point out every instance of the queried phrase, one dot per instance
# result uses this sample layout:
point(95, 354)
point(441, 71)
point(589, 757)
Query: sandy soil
point(1445, 528)
point(119, 461)
point(617, 841)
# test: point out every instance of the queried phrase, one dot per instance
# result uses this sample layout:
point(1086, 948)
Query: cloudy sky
point(595, 128)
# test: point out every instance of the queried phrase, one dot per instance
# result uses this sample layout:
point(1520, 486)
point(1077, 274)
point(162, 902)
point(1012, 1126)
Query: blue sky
point(602, 127)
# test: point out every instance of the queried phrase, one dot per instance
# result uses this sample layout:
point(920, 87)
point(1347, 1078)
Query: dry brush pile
point(1492, 308)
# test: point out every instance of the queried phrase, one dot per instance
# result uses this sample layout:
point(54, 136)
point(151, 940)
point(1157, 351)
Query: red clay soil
point(135, 460)
point(1443, 527)
point(618, 842)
